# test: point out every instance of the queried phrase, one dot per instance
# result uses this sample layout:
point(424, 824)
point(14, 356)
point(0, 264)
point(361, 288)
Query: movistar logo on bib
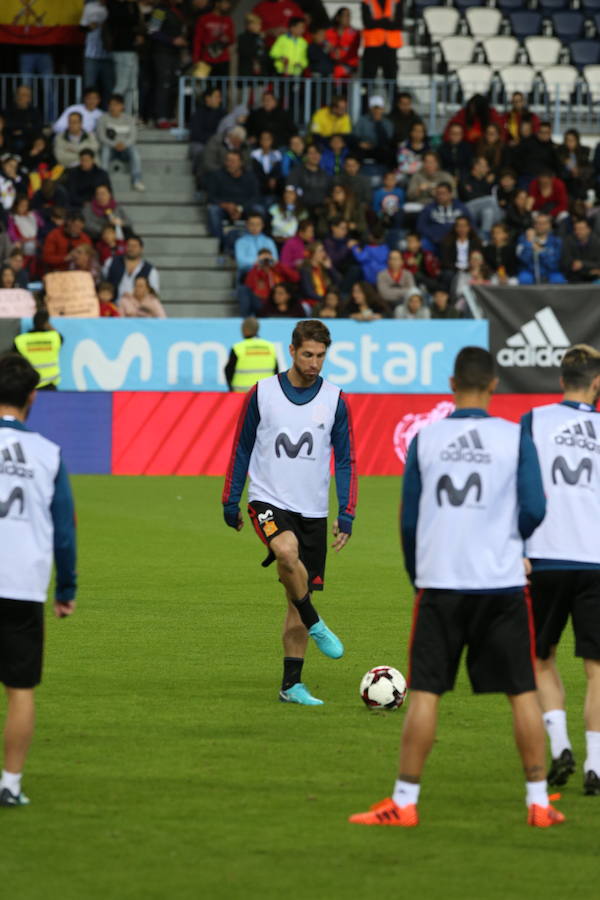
point(539, 342)
point(302, 447)
point(466, 448)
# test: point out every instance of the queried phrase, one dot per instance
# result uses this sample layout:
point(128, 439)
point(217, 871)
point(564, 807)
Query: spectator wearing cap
point(270, 116)
point(22, 121)
point(331, 119)
point(82, 180)
point(372, 136)
point(117, 133)
point(61, 241)
point(314, 183)
point(290, 51)
point(69, 144)
point(253, 58)
point(89, 110)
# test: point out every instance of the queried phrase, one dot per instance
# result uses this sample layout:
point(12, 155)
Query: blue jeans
point(126, 77)
point(40, 64)
point(130, 156)
point(99, 73)
point(527, 277)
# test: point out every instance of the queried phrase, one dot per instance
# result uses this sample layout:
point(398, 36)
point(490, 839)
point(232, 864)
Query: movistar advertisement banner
point(190, 354)
point(531, 327)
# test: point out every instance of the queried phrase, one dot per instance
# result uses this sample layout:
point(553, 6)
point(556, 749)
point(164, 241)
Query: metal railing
point(50, 93)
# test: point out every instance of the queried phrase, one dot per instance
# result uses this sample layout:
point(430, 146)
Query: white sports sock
point(592, 762)
point(537, 792)
point(555, 721)
point(405, 793)
point(12, 781)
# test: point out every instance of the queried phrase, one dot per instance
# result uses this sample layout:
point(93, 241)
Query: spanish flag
point(40, 22)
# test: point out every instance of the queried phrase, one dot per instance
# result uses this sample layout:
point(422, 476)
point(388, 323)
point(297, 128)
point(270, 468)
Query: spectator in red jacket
point(275, 16)
point(344, 43)
point(264, 275)
point(475, 118)
point(423, 265)
point(59, 243)
point(549, 195)
point(213, 38)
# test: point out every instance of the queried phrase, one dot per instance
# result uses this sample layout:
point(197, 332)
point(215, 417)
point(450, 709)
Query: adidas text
point(9, 468)
point(472, 456)
point(548, 357)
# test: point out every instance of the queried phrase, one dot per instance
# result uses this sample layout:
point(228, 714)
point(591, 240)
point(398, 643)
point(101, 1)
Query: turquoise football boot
point(327, 642)
point(299, 693)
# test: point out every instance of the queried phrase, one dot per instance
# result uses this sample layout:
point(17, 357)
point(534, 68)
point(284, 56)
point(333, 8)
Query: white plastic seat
point(457, 50)
point(440, 21)
point(560, 78)
point(483, 21)
point(501, 51)
point(592, 77)
point(474, 79)
point(543, 51)
point(518, 78)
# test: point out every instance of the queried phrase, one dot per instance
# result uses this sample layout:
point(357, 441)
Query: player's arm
point(230, 368)
point(409, 508)
point(243, 444)
point(530, 487)
point(62, 510)
point(342, 440)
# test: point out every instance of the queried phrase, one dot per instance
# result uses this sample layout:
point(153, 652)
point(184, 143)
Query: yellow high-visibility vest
point(256, 359)
point(42, 349)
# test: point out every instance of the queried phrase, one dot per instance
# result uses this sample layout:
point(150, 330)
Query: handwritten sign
point(16, 303)
point(71, 294)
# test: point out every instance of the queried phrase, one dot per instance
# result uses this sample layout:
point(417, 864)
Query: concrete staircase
point(193, 281)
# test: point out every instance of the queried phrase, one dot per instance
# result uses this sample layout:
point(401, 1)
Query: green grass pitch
point(163, 767)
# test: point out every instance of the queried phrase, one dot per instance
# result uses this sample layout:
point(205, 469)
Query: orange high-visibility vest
point(377, 37)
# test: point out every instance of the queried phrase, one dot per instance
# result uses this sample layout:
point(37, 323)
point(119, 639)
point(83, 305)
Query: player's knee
point(286, 551)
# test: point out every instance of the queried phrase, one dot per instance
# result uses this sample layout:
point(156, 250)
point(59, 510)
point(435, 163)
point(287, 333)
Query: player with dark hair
point(565, 556)
point(288, 426)
point(473, 487)
point(37, 523)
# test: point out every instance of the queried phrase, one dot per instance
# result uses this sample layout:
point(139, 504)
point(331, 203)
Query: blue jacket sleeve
point(530, 487)
point(243, 444)
point(342, 440)
point(62, 510)
point(409, 511)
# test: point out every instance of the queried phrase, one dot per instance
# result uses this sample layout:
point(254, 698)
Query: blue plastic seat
point(590, 6)
point(525, 23)
point(465, 4)
point(551, 5)
point(585, 53)
point(568, 26)
point(508, 6)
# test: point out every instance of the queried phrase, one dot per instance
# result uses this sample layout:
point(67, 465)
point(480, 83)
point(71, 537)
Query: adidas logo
point(579, 434)
point(539, 342)
point(12, 460)
point(467, 448)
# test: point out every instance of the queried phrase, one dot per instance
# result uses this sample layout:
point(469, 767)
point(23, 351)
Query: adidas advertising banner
point(190, 354)
point(531, 327)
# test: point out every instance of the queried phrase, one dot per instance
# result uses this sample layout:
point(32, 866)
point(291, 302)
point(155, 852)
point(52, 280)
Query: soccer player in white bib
point(289, 425)
point(565, 555)
point(37, 525)
point(472, 493)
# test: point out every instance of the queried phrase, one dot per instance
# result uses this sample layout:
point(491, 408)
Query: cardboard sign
point(16, 303)
point(71, 294)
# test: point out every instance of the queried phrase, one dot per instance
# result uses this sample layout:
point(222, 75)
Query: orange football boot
point(387, 813)
point(543, 816)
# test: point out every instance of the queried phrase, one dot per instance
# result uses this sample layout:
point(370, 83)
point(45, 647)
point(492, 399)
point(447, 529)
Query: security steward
point(41, 347)
point(382, 37)
point(250, 360)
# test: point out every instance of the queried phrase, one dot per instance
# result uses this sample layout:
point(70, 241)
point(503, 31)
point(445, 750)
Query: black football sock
point(292, 671)
point(306, 610)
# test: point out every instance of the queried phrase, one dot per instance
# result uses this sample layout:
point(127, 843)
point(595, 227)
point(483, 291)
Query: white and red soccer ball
point(383, 688)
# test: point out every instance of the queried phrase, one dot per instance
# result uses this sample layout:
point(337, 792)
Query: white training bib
point(467, 531)
point(568, 446)
point(28, 468)
point(290, 463)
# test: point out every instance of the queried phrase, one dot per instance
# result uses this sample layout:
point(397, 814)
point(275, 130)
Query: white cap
point(377, 100)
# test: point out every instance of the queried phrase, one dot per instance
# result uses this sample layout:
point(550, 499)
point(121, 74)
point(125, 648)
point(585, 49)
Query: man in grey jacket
point(117, 133)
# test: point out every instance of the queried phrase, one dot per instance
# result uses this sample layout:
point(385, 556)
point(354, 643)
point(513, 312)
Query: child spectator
point(412, 308)
point(423, 265)
point(290, 51)
point(365, 304)
point(373, 256)
point(317, 275)
point(395, 283)
point(388, 202)
point(411, 151)
point(253, 58)
point(295, 249)
point(293, 155)
point(110, 244)
point(334, 155)
point(283, 304)
point(266, 165)
point(106, 299)
point(213, 39)
point(344, 44)
point(441, 308)
point(320, 61)
point(24, 227)
point(330, 308)
point(143, 302)
point(117, 134)
point(286, 215)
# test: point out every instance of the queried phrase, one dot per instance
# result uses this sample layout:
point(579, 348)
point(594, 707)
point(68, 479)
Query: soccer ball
point(383, 688)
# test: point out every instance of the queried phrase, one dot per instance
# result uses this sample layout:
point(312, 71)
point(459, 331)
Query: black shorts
point(21, 642)
point(497, 630)
point(269, 521)
point(556, 595)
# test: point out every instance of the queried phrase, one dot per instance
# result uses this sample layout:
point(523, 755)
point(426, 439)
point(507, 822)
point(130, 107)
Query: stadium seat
point(475, 79)
point(509, 6)
point(420, 5)
point(543, 51)
point(551, 5)
point(590, 6)
point(568, 26)
point(585, 53)
point(440, 21)
point(457, 50)
point(525, 23)
point(517, 78)
point(483, 22)
point(592, 78)
point(501, 51)
point(466, 4)
point(563, 78)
